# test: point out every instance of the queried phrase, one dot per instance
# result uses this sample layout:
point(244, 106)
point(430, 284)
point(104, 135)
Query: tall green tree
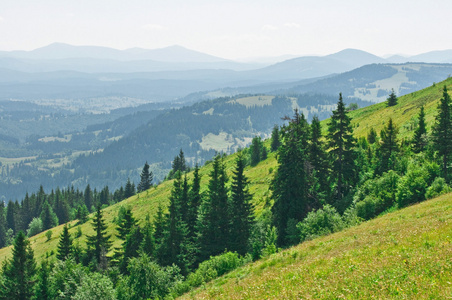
point(290, 184)
point(146, 178)
point(19, 271)
point(242, 217)
point(64, 245)
point(318, 161)
point(126, 224)
point(342, 152)
point(419, 139)
point(2, 225)
point(388, 147)
point(275, 139)
point(98, 243)
point(42, 291)
point(195, 198)
point(213, 224)
point(442, 132)
point(129, 190)
point(392, 99)
point(88, 196)
point(48, 216)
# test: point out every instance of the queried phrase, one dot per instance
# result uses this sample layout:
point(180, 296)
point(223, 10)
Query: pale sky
point(234, 28)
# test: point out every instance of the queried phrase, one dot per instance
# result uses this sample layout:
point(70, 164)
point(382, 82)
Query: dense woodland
point(323, 183)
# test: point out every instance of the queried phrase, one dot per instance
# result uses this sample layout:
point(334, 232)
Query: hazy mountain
point(443, 56)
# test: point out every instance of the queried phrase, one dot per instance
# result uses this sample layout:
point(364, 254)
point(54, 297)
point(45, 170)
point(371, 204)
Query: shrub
point(95, 286)
point(320, 222)
point(34, 227)
point(437, 188)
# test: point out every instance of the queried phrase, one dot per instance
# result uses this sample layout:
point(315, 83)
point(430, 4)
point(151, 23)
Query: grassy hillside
point(402, 255)
point(146, 203)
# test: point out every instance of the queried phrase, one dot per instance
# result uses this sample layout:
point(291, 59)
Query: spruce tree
point(2, 225)
point(256, 151)
point(145, 179)
point(392, 99)
point(129, 190)
point(194, 197)
point(372, 136)
point(48, 216)
point(442, 132)
point(19, 271)
point(131, 247)
point(388, 147)
point(318, 160)
point(420, 132)
point(290, 184)
point(242, 218)
point(126, 224)
point(275, 139)
point(88, 197)
point(42, 291)
point(213, 223)
point(64, 245)
point(99, 243)
point(341, 143)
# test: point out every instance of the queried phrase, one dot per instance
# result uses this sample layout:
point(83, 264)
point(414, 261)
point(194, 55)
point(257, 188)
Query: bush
point(34, 227)
point(95, 286)
point(215, 267)
point(366, 209)
point(437, 188)
point(320, 222)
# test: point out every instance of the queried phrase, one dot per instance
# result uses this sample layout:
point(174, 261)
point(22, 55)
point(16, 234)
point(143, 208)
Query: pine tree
point(442, 132)
point(88, 197)
point(318, 160)
point(255, 150)
point(64, 245)
point(388, 147)
point(175, 241)
point(146, 179)
point(392, 99)
point(48, 217)
point(129, 190)
point(290, 184)
point(42, 285)
point(275, 139)
point(2, 225)
point(242, 218)
point(99, 243)
point(131, 247)
point(195, 199)
point(342, 143)
point(372, 136)
point(213, 224)
point(19, 271)
point(11, 216)
point(420, 132)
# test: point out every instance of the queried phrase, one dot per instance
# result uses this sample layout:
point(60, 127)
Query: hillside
point(402, 255)
point(260, 176)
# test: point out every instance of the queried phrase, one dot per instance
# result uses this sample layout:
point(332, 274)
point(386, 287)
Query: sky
point(231, 29)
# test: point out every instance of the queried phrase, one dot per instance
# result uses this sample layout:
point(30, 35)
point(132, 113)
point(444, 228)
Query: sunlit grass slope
point(406, 254)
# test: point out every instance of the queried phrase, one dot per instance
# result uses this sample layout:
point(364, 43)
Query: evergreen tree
point(147, 245)
point(11, 216)
point(19, 271)
point(255, 150)
point(88, 197)
point(275, 139)
point(2, 225)
point(131, 247)
point(64, 245)
point(388, 147)
point(126, 224)
point(372, 136)
point(318, 159)
point(342, 143)
point(213, 223)
point(99, 243)
point(442, 132)
point(42, 285)
point(179, 164)
point(48, 217)
point(420, 132)
point(392, 99)
point(242, 218)
point(290, 184)
point(146, 179)
point(175, 242)
point(129, 190)
point(159, 229)
point(194, 202)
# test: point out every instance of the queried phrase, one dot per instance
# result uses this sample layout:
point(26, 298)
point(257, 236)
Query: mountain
point(443, 56)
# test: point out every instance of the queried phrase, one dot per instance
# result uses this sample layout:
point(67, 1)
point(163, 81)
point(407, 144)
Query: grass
point(406, 254)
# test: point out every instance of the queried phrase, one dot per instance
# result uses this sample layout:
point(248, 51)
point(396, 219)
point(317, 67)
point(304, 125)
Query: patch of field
point(254, 101)
point(219, 142)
